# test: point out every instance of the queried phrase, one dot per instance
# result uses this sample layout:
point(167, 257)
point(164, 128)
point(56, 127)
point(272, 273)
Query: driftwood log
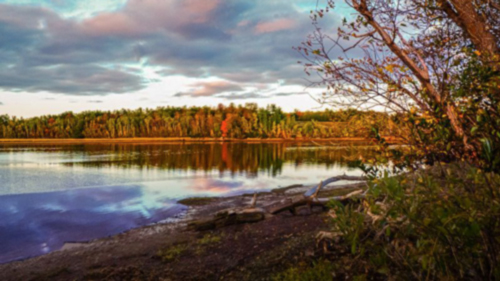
point(310, 197)
point(231, 216)
point(299, 204)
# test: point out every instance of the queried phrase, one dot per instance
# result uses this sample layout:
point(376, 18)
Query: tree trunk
point(465, 15)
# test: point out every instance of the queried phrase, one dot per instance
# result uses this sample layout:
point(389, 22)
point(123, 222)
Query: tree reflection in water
point(249, 158)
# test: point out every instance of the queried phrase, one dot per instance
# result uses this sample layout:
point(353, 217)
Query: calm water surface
point(53, 194)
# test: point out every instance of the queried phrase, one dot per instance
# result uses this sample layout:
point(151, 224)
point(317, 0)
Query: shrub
point(442, 223)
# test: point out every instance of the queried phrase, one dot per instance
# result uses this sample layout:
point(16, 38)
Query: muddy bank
point(238, 252)
point(171, 251)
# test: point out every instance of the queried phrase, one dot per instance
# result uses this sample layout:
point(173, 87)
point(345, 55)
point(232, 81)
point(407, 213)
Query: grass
point(206, 241)
point(209, 239)
point(171, 253)
point(319, 271)
point(50, 275)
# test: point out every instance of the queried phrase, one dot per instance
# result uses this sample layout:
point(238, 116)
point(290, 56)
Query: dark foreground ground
point(257, 251)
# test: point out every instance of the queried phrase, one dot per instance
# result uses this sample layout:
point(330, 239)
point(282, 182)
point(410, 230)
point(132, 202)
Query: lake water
point(53, 194)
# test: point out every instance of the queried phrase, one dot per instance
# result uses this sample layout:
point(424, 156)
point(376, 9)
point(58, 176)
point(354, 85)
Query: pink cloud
point(203, 89)
point(143, 16)
point(213, 186)
point(111, 24)
point(275, 25)
point(200, 10)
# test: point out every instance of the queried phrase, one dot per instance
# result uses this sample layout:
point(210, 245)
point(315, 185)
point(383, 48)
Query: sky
point(61, 55)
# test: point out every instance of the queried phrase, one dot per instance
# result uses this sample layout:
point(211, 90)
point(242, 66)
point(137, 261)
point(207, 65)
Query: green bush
point(442, 223)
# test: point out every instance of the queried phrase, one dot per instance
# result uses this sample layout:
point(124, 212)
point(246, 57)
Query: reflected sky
point(53, 194)
point(37, 223)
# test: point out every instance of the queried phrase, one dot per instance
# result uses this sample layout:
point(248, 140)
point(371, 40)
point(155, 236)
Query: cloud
point(112, 24)
point(244, 43)
point(275, 25)
point(72, 9)
point(217, 186)
point(255, 95)
point(206, 89)
point(188, 18)
point(289, 94)
point(35, 56)
point(85, 80)
point(234, 96)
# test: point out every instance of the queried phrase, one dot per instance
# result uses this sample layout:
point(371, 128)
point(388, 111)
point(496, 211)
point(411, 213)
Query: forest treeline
point(248, 121)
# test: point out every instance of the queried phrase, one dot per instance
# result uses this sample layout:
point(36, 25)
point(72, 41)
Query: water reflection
point(52, 194)
point(34, 224)
point(233, 157)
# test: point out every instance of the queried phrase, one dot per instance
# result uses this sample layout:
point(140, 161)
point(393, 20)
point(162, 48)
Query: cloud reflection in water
point(35, 223)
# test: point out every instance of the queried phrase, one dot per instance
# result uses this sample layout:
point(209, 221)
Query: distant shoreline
point(190, 140)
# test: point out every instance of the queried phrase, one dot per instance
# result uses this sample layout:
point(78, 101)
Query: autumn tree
point(434, 61)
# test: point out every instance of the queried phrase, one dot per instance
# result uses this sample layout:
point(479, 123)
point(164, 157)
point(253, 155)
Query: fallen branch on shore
point(303, 204)
point(310, 197)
